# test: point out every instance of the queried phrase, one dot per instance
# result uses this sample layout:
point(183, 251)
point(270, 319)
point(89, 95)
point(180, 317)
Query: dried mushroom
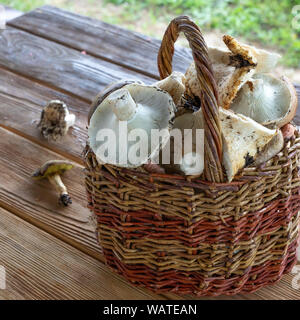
point(55, 120)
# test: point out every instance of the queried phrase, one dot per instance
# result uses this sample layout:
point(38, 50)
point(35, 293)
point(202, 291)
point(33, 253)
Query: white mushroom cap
point(173, 84)
point(243, 138)
point(232, 68)
point(138, 107)
point(266, 99)
point(271, 149)
point(266, 60)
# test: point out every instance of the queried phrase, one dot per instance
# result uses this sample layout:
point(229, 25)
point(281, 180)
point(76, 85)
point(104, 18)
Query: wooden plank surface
point(39, 266)
point(58, 66)
point(30, 83)
point(21, 103)
point(107, 42)
point(112, 43)
point(36, 201)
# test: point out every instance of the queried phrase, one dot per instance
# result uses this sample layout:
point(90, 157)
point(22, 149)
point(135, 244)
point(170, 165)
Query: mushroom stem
point(56, 181)
point(122, 104)
point(192, 164)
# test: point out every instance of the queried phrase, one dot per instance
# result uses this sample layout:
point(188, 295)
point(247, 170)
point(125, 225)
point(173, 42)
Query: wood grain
point(57, 66)
point(112, 43)
point(21, 103)
point(36, 201)
point(39, 266)
point(40, 70)
point(282, 290)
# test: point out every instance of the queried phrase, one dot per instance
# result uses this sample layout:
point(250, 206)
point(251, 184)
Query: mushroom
point(52, 170)
point(106, 91)
point(186, 157)
point(243, 138)
point(265, 60)
point(55, 120)
point(173, 84)
point(268, 100)
point(130, 110)
point(192, 164)
point(231, 69)
point(271, 149)
point(186, 154)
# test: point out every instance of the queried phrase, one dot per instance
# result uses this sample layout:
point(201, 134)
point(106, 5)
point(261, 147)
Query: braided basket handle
point(209, 96)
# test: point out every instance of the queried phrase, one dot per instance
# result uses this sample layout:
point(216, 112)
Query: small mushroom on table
point(52, 170)
point(55, 120)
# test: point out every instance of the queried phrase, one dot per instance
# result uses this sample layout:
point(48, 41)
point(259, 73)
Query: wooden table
point(50, 252)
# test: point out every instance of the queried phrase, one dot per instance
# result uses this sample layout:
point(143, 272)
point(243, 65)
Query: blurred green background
point(266, 23)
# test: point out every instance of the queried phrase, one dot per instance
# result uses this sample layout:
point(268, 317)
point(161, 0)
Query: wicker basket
point(179, 234)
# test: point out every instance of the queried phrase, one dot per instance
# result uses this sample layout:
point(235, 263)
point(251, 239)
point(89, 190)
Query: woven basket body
point(171, 233)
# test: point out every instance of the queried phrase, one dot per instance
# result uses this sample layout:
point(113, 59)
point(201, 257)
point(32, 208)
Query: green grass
point(23, 5)
point(268, 22)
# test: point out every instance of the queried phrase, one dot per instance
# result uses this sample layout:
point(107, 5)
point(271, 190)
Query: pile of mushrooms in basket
point(255, 110)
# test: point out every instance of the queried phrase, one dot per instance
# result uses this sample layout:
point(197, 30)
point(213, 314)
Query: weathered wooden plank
point(40, 266)
point(21, 103)
point(36, 201)
point(16, 99)
point(112, 43)
point(58, 66)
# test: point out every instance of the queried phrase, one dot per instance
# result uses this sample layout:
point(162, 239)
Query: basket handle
point(209, 96)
